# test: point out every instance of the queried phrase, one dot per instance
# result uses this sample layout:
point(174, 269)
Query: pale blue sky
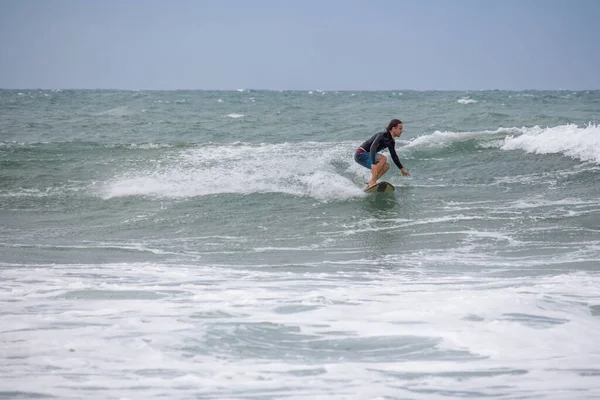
point(300, 44)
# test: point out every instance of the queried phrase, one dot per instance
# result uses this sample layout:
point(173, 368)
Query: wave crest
point(582, 143)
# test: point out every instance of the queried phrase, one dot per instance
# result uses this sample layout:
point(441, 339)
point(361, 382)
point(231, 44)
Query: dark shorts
point(364, 158)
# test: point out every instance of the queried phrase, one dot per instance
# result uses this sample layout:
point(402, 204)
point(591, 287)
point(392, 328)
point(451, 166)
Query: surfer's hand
point(404, 172)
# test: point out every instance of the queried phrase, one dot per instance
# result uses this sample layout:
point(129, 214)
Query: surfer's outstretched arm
point(397, 160)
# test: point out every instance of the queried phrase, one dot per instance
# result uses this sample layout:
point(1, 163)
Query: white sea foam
point(243, 169)
point(539, 201)
point(233, 115)
point(439, 139)
point(578, 142)
point(183, 331)
point(466, 100)
point(582, 143)
point(50, 191)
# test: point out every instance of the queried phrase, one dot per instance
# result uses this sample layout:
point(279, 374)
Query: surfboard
point(381, 187)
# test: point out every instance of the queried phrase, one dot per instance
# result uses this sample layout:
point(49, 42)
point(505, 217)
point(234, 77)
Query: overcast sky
point(300, 44)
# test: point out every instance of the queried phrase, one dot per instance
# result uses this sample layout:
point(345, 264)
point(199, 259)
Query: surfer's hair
point(393, 123)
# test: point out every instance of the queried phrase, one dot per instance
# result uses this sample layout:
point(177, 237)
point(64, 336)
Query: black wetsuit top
point(380, 141)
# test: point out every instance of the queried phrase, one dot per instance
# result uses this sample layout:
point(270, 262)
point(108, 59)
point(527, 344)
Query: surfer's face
point(397, 130)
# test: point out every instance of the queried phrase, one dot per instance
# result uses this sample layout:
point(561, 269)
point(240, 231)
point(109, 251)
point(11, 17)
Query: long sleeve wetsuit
point(380, 141)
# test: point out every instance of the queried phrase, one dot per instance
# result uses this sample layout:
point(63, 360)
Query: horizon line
point(240, 90)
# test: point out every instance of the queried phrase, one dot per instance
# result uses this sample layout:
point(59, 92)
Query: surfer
point(368, 154)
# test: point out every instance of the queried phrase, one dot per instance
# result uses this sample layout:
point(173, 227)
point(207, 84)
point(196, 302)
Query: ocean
point(218, 245)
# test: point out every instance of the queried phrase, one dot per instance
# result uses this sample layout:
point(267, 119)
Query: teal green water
point(197, 244)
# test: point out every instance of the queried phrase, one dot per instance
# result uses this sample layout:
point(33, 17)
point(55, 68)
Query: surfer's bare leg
point(377, 170)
